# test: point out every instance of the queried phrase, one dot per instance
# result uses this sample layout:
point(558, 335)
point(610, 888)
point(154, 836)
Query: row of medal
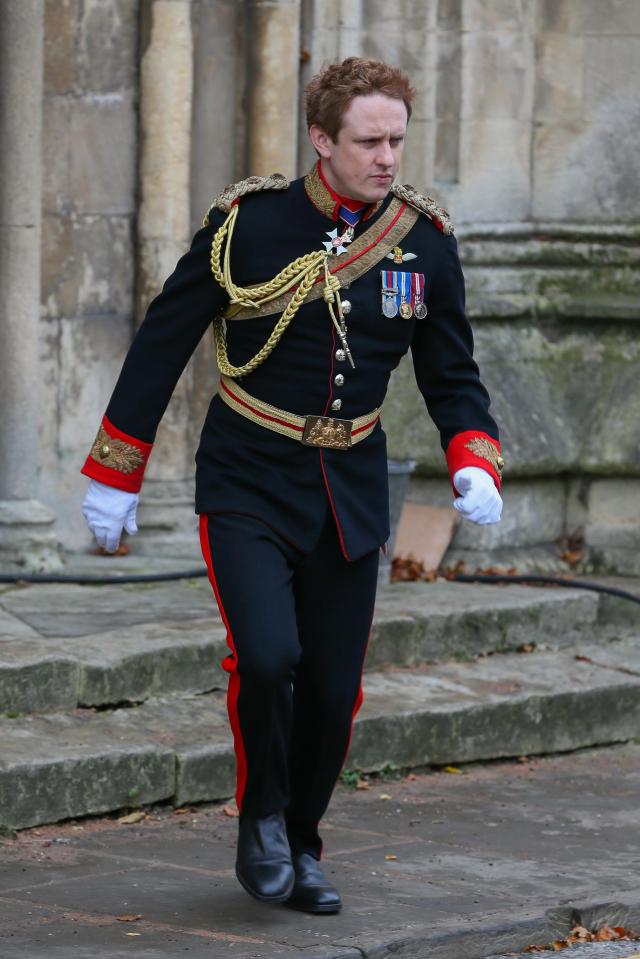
point(403, 294)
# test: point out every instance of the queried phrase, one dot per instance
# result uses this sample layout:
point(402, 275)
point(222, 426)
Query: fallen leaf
point(133, 933)
point(453, 769)
point(132, 817)
point(390, 856)
point(522, 759)
point(385, 796)
point(528, 648)
point(412, 776)
point(363, 784)
point(129, 918)
point(230, 811)
point(182, 810)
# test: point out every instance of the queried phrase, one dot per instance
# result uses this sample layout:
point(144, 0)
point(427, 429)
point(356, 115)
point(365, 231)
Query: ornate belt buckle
point(328, 432)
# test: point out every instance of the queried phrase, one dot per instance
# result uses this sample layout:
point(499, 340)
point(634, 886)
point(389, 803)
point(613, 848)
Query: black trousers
point(297, 625)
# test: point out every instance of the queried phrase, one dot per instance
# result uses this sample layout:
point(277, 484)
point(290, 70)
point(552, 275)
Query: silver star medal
point(336, 244)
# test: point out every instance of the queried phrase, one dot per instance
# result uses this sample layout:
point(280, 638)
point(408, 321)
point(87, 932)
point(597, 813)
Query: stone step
point(179, 749)
point(62, 647)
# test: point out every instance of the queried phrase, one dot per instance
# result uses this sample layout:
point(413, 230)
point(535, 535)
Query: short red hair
point(327, 95)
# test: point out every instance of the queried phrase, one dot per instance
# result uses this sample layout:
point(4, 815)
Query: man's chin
point(377, 191)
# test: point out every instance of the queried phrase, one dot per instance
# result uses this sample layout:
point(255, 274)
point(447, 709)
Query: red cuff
point(473, 448)
point(117, 459)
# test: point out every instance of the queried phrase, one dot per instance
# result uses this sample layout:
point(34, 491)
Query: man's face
point(364, 161)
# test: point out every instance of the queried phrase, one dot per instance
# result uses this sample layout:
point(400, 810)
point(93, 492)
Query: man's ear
point(321, 141)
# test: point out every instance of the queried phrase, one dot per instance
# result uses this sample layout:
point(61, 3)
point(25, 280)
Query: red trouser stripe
point(230, 665)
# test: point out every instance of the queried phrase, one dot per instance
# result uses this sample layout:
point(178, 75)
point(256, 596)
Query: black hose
point(546, 581)
point(101, 580)
point(201, 573)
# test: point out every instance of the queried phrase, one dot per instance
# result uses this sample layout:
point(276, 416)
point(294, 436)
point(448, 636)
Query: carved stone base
point(27, 540)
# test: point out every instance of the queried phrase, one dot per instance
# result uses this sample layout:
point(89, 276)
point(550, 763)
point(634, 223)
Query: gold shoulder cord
point(301, 274)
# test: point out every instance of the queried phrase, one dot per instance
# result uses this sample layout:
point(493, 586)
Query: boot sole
point(256, 895)
point(302, 907)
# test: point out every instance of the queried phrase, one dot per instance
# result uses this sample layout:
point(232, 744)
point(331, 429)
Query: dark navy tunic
point(243, 467)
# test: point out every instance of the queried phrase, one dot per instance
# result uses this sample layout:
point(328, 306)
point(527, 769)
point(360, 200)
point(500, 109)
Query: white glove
point(479, 501)
point(107, 510)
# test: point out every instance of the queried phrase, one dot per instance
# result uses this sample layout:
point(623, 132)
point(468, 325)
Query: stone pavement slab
point(445, 866)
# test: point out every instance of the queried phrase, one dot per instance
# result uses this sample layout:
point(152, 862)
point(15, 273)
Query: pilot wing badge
point(399, 257)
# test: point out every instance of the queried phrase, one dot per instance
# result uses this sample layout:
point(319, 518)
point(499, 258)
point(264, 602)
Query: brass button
point(104, 451)
point(339, 379)
point(336, 404)
point(346, 307)
point(341, 356)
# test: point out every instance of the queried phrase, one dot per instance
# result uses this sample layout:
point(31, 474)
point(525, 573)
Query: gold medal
point(406, 310)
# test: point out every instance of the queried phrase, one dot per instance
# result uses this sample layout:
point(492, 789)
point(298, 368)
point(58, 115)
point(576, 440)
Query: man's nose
point(385, 154)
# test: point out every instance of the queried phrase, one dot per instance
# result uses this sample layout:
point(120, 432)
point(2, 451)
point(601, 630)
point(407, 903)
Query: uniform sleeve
point(172, 328)
point(447, 375)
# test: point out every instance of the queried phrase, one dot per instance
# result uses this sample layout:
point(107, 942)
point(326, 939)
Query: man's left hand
point(479, 499)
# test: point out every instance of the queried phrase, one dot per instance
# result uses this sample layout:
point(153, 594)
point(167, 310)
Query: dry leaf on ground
point(132, 817)
point(129, 918)
point(230, 811)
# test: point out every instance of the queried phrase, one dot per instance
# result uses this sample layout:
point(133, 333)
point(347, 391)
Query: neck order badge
point(403, 294)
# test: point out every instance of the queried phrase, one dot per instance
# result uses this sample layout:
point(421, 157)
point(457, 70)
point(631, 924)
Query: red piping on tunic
point(324, 474)
point(230, 665)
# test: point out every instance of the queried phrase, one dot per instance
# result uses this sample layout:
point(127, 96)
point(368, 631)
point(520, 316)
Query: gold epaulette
point(253, 184)
point(426, 205)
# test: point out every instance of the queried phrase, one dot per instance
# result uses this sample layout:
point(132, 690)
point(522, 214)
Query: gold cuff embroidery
point(486, 449)
point(116, 454)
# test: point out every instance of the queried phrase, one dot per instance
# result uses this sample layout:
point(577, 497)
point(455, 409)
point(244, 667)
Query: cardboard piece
point(424, 533)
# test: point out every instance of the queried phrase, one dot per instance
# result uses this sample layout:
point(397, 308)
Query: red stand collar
point(325, 198)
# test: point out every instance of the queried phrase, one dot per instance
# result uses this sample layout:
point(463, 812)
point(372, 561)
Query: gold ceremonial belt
point(325, 431)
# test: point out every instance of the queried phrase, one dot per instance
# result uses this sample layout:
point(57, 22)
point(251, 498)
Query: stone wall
point(548, 226)
point(525, 126)
point(90, 141)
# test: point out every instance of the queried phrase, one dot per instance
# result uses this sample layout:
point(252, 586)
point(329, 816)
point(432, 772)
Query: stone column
point(167, 519)
point(274, 65)
point(26, 538)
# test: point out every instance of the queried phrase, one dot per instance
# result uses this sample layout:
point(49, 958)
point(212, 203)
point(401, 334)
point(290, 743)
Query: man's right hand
point(107, 511)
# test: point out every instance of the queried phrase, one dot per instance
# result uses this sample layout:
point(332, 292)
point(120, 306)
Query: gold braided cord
point(301, 274)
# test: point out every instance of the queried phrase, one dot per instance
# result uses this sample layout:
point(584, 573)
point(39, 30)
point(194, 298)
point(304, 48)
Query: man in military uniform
point(316, 289)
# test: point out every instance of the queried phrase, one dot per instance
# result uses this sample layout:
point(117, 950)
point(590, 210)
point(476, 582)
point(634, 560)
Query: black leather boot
point(311, 891)
point(263, 864)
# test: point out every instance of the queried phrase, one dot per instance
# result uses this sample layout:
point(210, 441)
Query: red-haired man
point(319, 286)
